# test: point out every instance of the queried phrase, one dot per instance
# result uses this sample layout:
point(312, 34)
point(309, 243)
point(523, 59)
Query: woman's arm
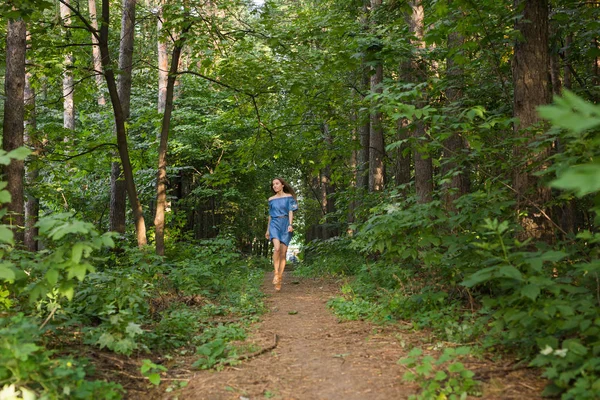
point(268, 223)
point(291, 218)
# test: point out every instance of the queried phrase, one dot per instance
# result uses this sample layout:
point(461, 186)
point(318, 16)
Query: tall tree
point(531, 89)
point(117, 183)
point(120, 119)
point(163, 59)
point(13, 125)
point(422, 161)
point(459, 181)
point(161, 179)
point(68, 84)
point(376, 141)
point(32, 203)
point(364, 123)
point(96, 53)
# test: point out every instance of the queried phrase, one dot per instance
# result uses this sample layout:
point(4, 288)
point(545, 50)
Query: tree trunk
point(568, 78)
point(13, 124)
point(376, 142)
point(96, 54)
point(118, 193)
point(402, 157)
point(161, 178)
point(118, 199)
point(364, 129)
point(364, 124)
point(163, 62)
point(32, 204)
point(120, 128)
point(423, 163)
point(126, 55)
point(68, 85)
point(531, 89)
point(459, 182)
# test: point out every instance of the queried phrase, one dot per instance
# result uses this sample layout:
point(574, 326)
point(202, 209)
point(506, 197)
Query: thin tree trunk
point(68, 85)
point(568, 77)
point(364, 129)
point(13, 124)
point(531, 89)
point(161, 179)
point(163, 62)
point(118, 199)
point(118, 193)
point(402, 157)
point(423, 162)
point(32, 204)
point(376, 142)
point(96, 54)
point(459, 183)
point(364, 124)
point(120, 128)
point(126, 55)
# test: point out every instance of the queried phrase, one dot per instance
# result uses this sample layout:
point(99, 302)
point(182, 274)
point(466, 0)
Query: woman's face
point(277, 185)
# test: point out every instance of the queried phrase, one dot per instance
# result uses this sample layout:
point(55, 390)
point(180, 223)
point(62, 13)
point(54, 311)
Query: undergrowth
point(79, 293)
point(469, 277)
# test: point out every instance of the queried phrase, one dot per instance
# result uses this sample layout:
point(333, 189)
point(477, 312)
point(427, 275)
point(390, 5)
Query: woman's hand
point(267, 235)
point(290, 228)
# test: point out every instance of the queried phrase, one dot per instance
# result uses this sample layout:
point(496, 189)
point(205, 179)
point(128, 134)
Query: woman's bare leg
point(282, 254)
point(276, 260)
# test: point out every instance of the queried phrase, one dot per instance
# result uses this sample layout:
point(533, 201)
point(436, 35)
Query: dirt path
point(319, 358)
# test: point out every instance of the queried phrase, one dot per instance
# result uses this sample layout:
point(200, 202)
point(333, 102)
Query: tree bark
point(32, 204)
point(118, 193)
point(13, 124)
point(364, 123)
point(531, 89)
point(120, 128)
point(459, 183)
point(423, 163)
point(376, 141)
point(118, 199)
point(96, 54)
point(161, 178)
point(68, 85)
point(163, 61)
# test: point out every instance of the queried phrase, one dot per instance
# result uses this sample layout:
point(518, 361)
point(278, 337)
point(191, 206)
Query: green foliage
point(442, 378)
point(27, 366)
point(152, 371)
point(215, 348)
point(328, 257)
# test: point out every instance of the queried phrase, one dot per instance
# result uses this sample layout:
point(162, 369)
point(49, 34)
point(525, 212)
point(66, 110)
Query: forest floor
point(312, 355)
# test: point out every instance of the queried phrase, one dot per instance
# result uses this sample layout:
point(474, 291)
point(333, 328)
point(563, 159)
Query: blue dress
point(279, 208)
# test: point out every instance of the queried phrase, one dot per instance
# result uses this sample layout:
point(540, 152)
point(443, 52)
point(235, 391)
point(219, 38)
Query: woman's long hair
point(286, 187)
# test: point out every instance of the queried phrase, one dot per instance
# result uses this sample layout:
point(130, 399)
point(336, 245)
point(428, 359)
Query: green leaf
point(440, 376)
point(6, 235)
point(6, 272)
point(154, 379)
point(508, 271)
point(77, 270)
point(5, 197)
point(76, 252)
point(106, 340)
point(532, 291)
point(52, 276)
point(581, 179)
point(20, 153)
point(133, 329)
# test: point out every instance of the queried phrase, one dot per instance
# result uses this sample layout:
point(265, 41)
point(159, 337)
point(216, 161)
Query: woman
point(280, 229)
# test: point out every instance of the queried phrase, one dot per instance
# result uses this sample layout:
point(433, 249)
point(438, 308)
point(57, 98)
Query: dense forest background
point(140, 139)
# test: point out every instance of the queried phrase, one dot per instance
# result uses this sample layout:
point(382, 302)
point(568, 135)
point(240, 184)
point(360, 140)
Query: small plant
point(442, 378)
point(152, 371)
point(216, 349)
